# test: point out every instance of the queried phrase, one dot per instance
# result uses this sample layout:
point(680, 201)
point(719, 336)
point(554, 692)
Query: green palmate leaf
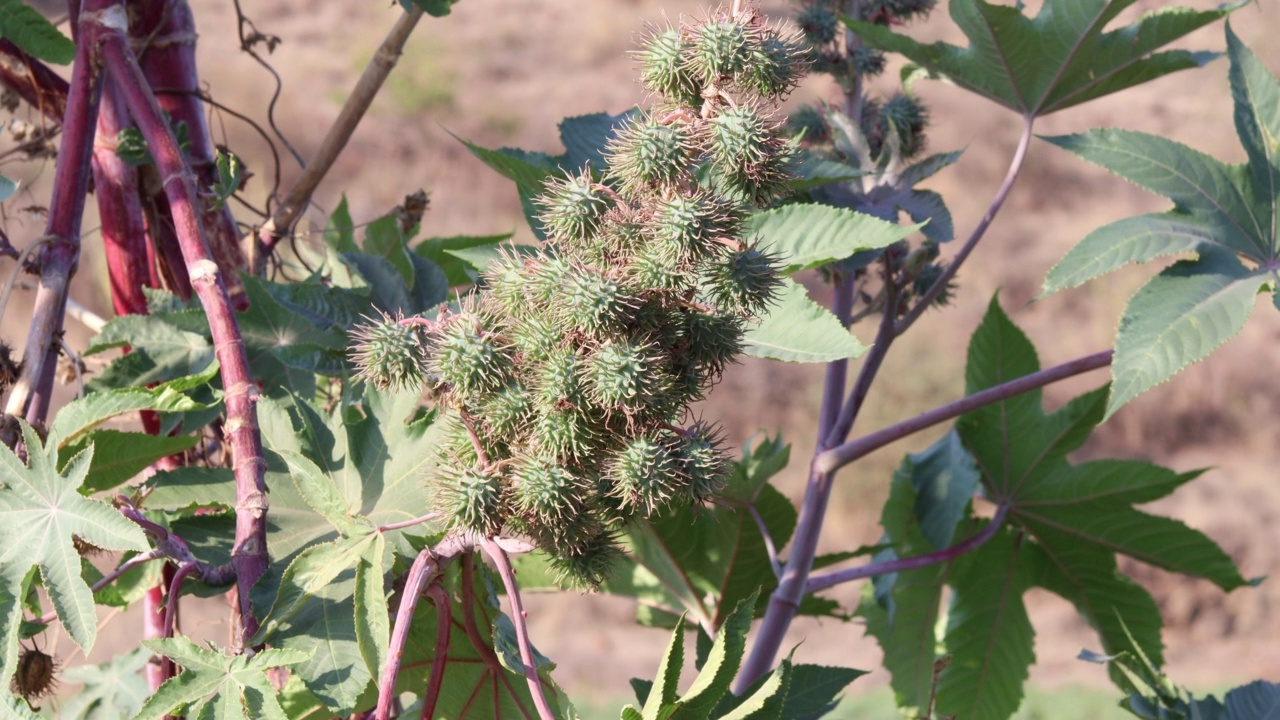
point(1179, 317)
point(280, 342)
point(766, 701)
point(721, 666)
point(989, 635)
point(213, 684)
point(113, 690)
point(945, 478)
point(529, 171)
point(928, 208)
point(1061, 58)
point(584, 138)
point(666, 688)
point(163, 347)
point(441, 251)
point(1133, 240)
point(382, 238)
point(1221, 211)
point(808, 235)
point(83, 414)
point(41, 511)
point(814, 171)
point(119, 456)
point(799, 330)
point(23, 25)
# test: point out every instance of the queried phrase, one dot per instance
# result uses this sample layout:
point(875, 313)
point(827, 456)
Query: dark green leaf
point(810, 234)
point(216, 685)
point(1064, 57)
point(33, 34)
point(119, 456)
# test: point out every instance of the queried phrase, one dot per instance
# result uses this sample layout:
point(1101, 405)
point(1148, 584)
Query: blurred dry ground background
point(504, 72)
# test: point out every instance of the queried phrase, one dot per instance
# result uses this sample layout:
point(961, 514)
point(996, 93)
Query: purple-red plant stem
point(837, 457)
point(29, 396)
point(249, 553)
point(165, 33)
point(115, 183)
point(444, 628)
point(822, 582)
point(784, 603)
point(152, 628)
point(420, 573)
point(769, 547)
point(34, 82)
point(940, 285)
point(838, 371)
point(298, 196)
point(109, 578)
point(171, 598)
point(519, 619)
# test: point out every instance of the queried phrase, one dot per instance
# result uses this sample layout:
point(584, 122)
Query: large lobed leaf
point(41, 513)
point(1224, 214)
point(807, 235)
point(214, 684)
point(797, 329)
point(1061, 58)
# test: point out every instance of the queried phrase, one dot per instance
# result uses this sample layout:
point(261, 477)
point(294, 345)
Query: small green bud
point(473, 499)
point(466, 358)
point(388, 353)
point(644, 474)
point(664, 67)
point(573, 208)
point(659, 266)
point(648, 153)
point(746, 281)
point(714, 339)
point(723, 49)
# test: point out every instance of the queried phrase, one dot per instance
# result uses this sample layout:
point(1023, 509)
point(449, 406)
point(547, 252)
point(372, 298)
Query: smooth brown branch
point(519, 619)
point(837, 457)
point(831, 579)
point(249, 552)
point(262, 242)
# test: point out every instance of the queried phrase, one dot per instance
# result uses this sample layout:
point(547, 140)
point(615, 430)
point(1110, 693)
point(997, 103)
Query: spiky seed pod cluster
point(566, 382)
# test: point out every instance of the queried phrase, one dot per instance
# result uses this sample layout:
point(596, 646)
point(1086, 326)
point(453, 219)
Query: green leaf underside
point(83, 414)
point(41, 509)
point(808, 235)
point(1059, 59)
point(1178, 318)
point(798, 329)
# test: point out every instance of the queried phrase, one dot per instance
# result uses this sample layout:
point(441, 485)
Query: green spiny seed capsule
point(546, 491)
point(776, 66)
point(748, 153)
point(593, 302)
point(868, 61)
point(508, 283)
point(546, 279)
point(699, 451)
point(714, 339)
point(388, 353)
point(564, 431)
point(535, 338)
point(628, 376)
point(694, 222)
point(466, 358)
point(664, 67)
point(644, 474)
point(649, 152)
point(473, 499)
point(819, 24)
point(558, 380)
point(659, 266)
point(589, 562)
point(722, 49)
point(746, 281)
point(573, 208)
point(810, 124)
point(904, 116)
point(505, 412)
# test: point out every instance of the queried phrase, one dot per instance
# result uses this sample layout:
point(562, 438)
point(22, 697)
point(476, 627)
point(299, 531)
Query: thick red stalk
point(249, 552)
point(123, 231)
point(34, 82)
point(60, 253)
point(165, 33)
point(519, 620)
